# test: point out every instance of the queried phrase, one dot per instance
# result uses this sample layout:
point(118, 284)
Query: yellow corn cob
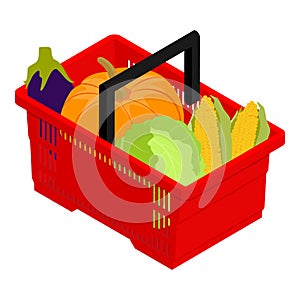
point(206, 131)
point(243, 133)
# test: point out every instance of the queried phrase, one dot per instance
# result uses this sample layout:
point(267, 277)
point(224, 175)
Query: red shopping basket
point(165, 220)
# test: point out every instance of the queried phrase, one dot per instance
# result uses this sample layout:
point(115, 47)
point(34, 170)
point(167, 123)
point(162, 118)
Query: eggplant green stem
point(45, 65)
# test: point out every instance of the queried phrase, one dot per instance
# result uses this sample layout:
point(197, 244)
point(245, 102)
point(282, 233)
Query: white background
point(247, 52)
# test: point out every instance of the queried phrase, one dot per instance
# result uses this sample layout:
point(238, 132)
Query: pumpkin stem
point(109, 68)
point(111, 72)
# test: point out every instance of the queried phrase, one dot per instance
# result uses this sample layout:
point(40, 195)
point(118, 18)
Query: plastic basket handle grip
point(189, 44)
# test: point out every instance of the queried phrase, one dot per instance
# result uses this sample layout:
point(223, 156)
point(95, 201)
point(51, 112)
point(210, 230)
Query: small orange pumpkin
point(144, 98)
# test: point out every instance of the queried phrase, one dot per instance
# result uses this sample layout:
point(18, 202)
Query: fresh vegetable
point(166, 145)
point(250, 128)
point(47, 81)
point(263, 130)
point(211, 126)
point(224, 131)
point(144, 98)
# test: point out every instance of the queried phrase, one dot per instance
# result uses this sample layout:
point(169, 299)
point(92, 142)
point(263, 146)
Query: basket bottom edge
point(176, 262)
point(55, 197)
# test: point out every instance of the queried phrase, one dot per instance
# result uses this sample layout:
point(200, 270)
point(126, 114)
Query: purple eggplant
point(47, 81)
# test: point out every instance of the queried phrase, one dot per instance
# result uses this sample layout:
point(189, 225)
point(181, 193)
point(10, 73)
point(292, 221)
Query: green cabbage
point(166, 145)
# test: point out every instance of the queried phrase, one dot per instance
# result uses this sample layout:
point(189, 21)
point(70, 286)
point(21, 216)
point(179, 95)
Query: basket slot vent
point(153, 218)
point(55, 136)
point(46, 157)
point(157, 243)
point(161, 197)
point(47, 132)
point(167, 249)
point(41, 128)
point(50, 133)
point(130, 63)
point(39, 176)
point(160, 221)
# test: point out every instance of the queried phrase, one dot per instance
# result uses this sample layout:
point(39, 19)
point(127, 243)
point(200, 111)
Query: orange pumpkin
point(144, 98)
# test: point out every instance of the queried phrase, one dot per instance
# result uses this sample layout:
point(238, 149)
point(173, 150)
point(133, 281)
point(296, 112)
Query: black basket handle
point(189, 43)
